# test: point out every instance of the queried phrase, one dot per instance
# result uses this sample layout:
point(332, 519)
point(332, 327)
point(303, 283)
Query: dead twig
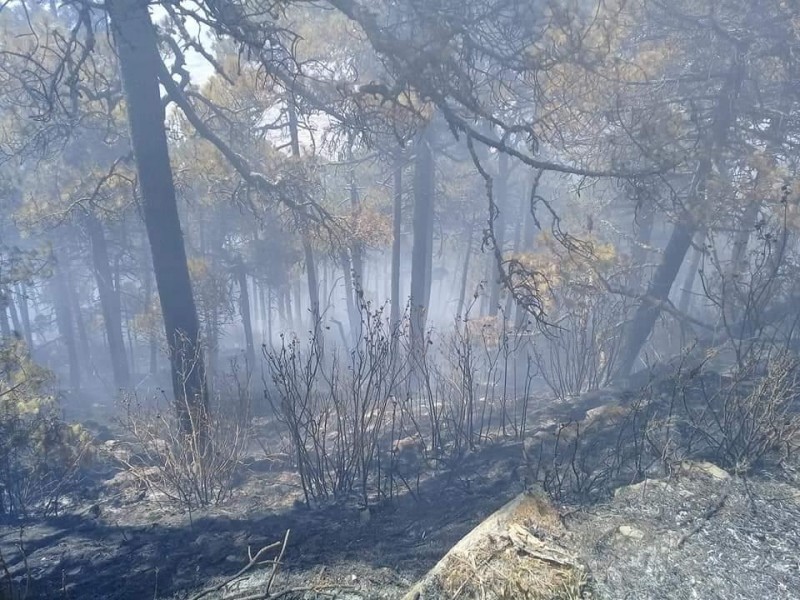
point(277, 563)
point(327, 590)
point(253, 561)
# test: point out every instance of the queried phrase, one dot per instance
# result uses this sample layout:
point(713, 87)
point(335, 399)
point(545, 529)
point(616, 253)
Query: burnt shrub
point(41, 456)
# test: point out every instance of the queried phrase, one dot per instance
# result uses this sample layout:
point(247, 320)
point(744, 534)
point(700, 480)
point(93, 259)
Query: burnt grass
point(124, 546)
point(120, 543)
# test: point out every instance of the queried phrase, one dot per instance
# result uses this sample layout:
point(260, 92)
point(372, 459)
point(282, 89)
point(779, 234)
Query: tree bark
point(285, 306)
point(422, 252)
point(64, 323)
point(685, 303)
point(500, 200)
point(268, 310)
point(350, 295)
point(519, 221)
point(25, 316)
point(148, 311)
point(298, 302)
point(644, 233)
point(137, 48)
point(356, 248)
point(462, 292)
point(72, 298)
point(397, 228)
point(267, 299)
point(12, 311)
point(109, 301)
point(5, 328)
point(244, 311)
point(641, 327)
point(308, 251)
point(528, 237)
point(255, 304)
point(313, 290)
point(657, 293)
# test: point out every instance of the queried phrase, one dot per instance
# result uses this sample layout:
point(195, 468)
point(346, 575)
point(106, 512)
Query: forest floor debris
point(699, 533)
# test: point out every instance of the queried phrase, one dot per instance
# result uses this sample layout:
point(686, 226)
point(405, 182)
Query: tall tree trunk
point(132, 341)
point(350, 296)
point(255, 304)
point(747, 226)
point(139, 60)
point(25, 316)
point(644, 234)
point(681, 239)
point(244, 311)
point(308, 251)
point(85, 348)
point(356, 248)
point(148, 311)
point(211, 325)
point(313, 289)
point(528, 237)
point(268, 310)
point(264, 301)
point(153, 348)
point(519, 221)
point(462, 292)
point(12, 311)
point(267, 299)
point(501, 201)
point(285, 302)
point(109, 301)
point(397, 228)
point(323, 286)
point(64, 322)
point(422, 251)
point(685, 303)
point(297, 288)
point(657, 293)
point(5, 328)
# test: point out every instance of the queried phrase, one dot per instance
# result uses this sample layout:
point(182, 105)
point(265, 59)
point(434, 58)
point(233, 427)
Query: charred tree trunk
point(5, 328)
point(500, 200)
point(267, 299)
point(244, 311)
point(356, 247)
point(285, 306)
point(657, 293)
point(350, 295)
point(268, 310)
point(152, 339)
point(25, 316)
point(462, 292)
point(685, 303)
point(519, 221)
point(85, 348)
point(12, 311)
point(640, 328)
point(137, 48)
point(64, 322)
point(422, 252)
point(527, 239)
point(313, 289)
point(298, 303)
point(255, 304)
point(644, 233)
point(397, 228)
point(308, 251)
point(747, 225)
point(109, 301)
